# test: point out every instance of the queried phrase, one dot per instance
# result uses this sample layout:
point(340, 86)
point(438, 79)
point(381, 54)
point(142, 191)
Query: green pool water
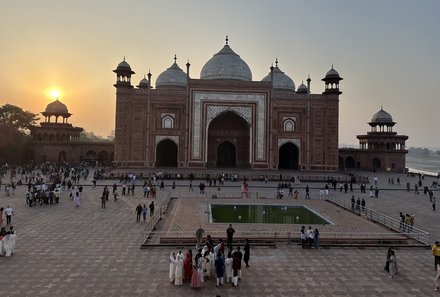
point(264, 214)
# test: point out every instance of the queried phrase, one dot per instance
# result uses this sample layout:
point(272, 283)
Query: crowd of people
point(211, 261)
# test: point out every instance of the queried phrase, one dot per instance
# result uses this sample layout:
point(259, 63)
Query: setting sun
point(55, 94)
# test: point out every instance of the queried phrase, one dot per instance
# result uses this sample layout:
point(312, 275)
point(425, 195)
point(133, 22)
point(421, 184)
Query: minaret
point(308, 83)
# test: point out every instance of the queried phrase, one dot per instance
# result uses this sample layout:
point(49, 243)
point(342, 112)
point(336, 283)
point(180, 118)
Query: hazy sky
point(386, 51)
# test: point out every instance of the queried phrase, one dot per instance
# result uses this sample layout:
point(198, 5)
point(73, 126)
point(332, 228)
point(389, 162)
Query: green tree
point(91, 137)
point(14, 133)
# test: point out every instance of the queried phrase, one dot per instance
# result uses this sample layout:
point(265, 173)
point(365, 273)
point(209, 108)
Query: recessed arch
point(226, 155)
point(227, 129)
point(62, 156)
point(376, 163)
point(166, 153)
point(349, 162)
point(288, 156)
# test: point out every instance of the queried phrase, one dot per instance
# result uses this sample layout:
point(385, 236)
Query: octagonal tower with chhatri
point(381, 149)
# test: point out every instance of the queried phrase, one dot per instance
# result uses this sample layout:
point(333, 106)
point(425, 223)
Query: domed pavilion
point(381, 149)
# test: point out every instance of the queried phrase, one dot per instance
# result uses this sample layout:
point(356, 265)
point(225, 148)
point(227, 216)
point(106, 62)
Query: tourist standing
point(151, 208)
point(228, 265)
point(437, 279)
point(138, 212)
point(103, 200)
point(199, 236)
point(172, 262)
point(433, 203)
point(187, 266)
point(387, 261)
point(303, 237)
point(9, 212)
point(307, 192)
point(316, 238)
point(436, 253)
point(393, 265)
point(220, 268)
point(230, 233)
point(247, 251)
point(144, 212)
point(178, 281)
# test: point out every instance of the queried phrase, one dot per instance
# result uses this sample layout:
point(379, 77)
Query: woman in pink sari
point(197, 274)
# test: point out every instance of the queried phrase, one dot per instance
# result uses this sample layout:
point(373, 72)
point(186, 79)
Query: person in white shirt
point(9, 212)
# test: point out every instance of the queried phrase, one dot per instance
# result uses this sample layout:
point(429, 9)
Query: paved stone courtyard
point(88, 251)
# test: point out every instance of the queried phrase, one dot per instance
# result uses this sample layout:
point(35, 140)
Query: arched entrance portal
point(349, 162)
point(166, 154)
point(62, 156)
point(376, 163)
point(103, 157)
point(228, 141)
point(226, 155)
point(288, 156)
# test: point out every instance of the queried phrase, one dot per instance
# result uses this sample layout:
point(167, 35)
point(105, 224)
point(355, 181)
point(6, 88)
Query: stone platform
point(88, 251)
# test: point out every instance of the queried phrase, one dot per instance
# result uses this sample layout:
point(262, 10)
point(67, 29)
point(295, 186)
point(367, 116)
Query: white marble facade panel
point(220, 104)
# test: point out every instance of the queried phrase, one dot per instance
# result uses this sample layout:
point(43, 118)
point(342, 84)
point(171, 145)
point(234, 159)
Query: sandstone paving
point(88, 251)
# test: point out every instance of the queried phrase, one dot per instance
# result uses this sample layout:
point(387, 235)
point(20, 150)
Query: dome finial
point(381, 107)
point(175, 58)
point(227, 39)
point(124, 58)
point(276, 62)
point(332, 66)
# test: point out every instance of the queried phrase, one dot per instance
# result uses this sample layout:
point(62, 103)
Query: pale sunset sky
point(387, 52)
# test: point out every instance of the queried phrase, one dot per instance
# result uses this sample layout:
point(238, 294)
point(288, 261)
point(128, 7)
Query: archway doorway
point(228, 141)
point(226, 155)
point(62, 156)
point(288, 157)
point(376, 163)
point(349, 162)
point(103, 157)
point(166, 154)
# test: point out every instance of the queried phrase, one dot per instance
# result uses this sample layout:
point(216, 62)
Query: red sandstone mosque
point(223, 119)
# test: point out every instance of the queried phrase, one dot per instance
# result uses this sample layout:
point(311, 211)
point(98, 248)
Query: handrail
point(389, 222)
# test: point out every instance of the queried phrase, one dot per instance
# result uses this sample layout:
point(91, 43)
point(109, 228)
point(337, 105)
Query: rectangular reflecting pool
point(264, 214)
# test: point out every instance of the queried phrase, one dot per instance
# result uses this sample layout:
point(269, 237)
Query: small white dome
point(56, 107)
point(280, 80)
point(123, 66)
point(382, 117)
point(172, 77)
point(226, 64)
point(143, 83)
point(332, 73)
point(302, 89)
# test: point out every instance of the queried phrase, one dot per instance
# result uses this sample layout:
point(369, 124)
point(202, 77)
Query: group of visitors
point(309, 238)
point(210, 262)
point(143, 211)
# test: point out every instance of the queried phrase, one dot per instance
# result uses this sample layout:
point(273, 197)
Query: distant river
point(427, 165)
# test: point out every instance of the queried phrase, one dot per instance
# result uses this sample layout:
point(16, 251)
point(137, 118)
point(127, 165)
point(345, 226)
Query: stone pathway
point(88, 251)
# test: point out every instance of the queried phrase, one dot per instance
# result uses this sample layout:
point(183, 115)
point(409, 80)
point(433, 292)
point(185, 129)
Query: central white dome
point(226, 64)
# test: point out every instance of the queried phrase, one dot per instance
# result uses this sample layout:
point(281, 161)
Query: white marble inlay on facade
point(295, 141)
point(214, 111)
point(244, 111)
point(173, 138)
